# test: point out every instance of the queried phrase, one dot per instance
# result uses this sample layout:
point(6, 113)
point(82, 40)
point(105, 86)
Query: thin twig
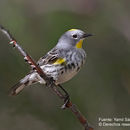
point(49, 82)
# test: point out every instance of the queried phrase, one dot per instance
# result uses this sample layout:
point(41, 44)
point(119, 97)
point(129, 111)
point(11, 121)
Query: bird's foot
point(50, 82)
point(66, 101)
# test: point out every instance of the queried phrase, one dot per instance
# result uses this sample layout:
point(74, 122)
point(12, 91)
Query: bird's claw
point(66, 101)
point(50, 82)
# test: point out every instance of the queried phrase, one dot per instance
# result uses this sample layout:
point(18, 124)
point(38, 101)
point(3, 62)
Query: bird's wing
point(52, 57)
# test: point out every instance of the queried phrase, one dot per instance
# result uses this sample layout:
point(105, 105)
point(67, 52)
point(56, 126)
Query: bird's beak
point(87, 35)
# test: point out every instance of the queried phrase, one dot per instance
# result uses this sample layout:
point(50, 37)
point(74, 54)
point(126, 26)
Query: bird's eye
point(74, 36)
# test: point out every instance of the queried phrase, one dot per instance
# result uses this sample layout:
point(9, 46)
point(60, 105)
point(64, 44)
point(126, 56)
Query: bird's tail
point(17, 88)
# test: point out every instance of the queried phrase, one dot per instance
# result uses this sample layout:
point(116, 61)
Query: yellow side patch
point(59, 61)
point(72, 30)
point(79, 44)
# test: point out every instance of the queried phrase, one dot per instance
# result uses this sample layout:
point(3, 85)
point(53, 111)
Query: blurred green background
point(101, 89)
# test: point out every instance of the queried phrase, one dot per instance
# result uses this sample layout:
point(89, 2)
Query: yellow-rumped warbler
point(61, 63)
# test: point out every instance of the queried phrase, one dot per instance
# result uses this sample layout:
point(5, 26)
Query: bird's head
point(73, 38)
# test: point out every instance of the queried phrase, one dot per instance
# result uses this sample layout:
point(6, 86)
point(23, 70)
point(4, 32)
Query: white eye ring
point(75, 36)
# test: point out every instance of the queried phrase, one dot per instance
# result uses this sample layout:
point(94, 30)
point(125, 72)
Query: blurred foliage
point(101, 89)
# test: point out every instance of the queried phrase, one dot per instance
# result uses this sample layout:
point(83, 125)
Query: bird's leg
point(50, 82)
point(67, 97)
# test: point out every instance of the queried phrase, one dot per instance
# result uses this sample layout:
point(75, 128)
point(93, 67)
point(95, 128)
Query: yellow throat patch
point(79, 44)
point(60, 61)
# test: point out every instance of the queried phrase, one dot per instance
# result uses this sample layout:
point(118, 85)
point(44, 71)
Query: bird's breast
point(63, 73)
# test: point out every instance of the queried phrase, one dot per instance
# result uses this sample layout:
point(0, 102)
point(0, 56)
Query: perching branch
point(49, 81)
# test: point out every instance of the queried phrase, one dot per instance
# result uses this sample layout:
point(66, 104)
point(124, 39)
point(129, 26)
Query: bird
point(61, 63)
